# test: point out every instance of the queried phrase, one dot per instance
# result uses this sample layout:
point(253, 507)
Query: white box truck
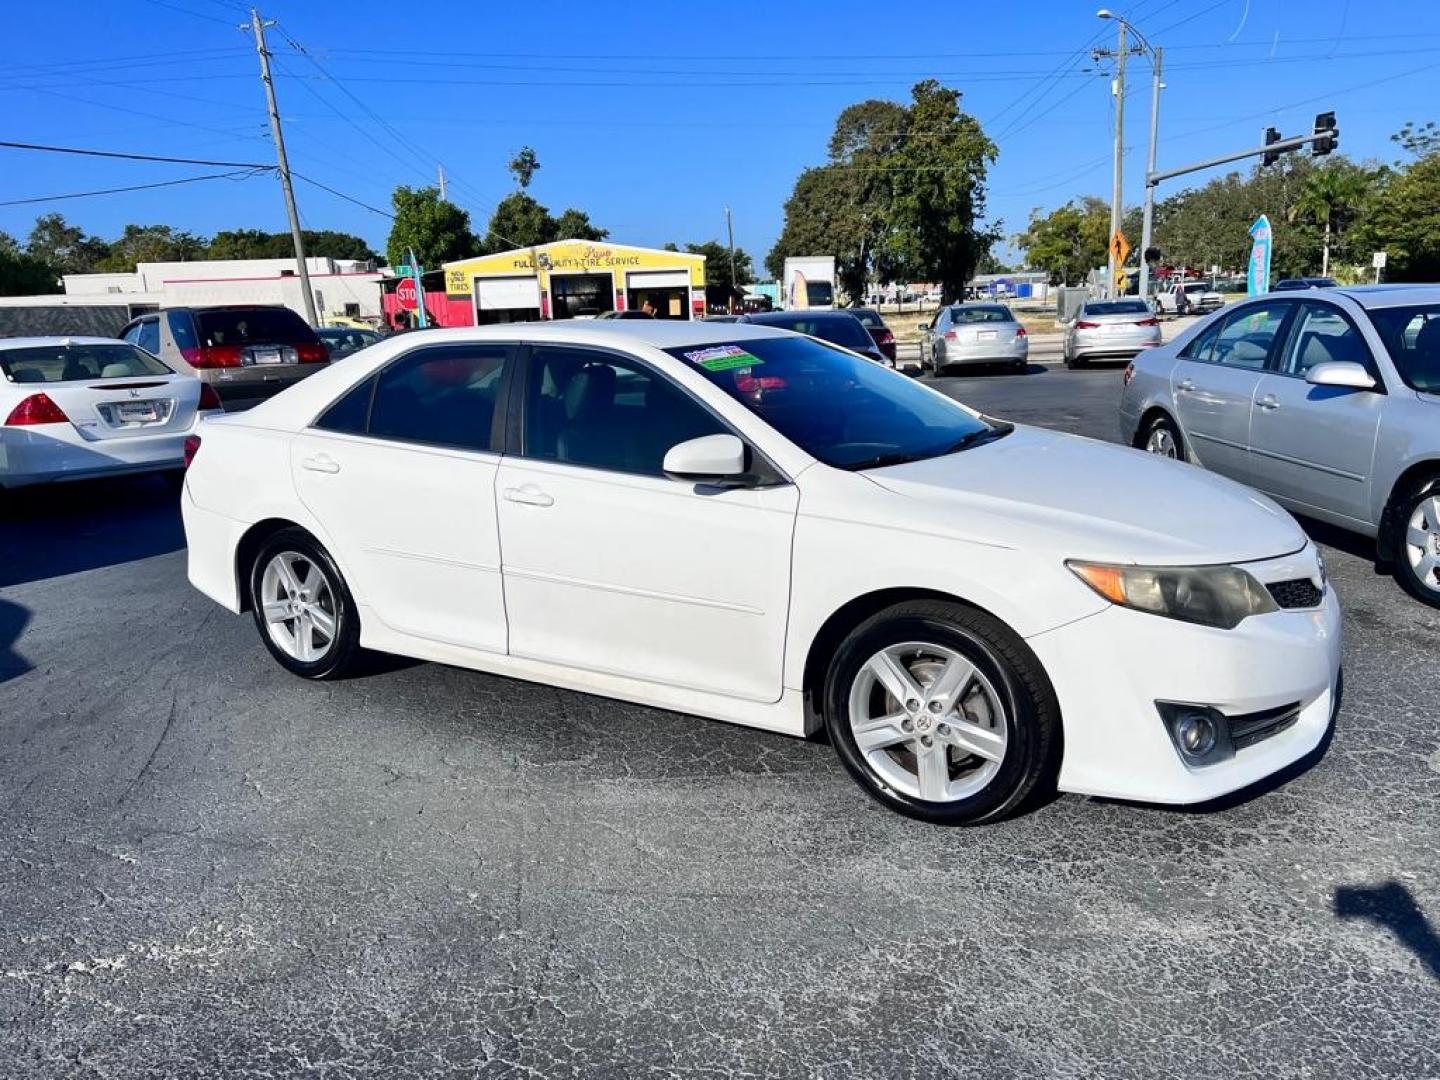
point(810, 283)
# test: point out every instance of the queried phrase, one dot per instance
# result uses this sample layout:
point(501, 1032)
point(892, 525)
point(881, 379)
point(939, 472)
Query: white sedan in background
point(81, 407)
point(755, 526)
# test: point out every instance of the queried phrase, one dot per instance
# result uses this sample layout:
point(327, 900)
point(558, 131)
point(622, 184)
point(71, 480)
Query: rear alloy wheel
point(940, 712)
point(302, 608)
point(1417, 560)
point(1162, 438)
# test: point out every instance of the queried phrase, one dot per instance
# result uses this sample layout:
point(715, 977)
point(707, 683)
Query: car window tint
point(1322, 335)
point(1412, 338)
point(182, 329)
point(149, 339)
point(349, 414)
point(76, 362)
point(981, 314)
point(444, 396)
point(1245, 339)
point(131, 334)
point(1202, 346)
point(606, 412)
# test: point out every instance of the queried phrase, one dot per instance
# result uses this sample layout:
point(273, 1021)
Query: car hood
point(1080, 498)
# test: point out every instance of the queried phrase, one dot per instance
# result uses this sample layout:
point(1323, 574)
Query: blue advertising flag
point(1257, 276)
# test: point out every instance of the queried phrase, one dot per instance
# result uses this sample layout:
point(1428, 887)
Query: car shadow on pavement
point(66, 528)
point(13, 619)
point(1392, 906)
point(1352, 543)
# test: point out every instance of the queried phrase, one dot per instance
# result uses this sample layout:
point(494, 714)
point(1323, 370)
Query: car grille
point(1250, 728)
point(1299, 593)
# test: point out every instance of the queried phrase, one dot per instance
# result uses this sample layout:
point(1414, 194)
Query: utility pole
point(258, 25)
point(1117, 197)
point(1148, 221)
point(442, 180)
point(730, 229)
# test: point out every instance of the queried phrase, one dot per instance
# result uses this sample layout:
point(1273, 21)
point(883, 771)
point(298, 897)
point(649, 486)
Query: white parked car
point(751, 525)
point(81, 407)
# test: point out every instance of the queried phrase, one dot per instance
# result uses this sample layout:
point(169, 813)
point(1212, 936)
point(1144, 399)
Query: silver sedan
point(973, 334)
point(1328, 401)
point(1110, 330)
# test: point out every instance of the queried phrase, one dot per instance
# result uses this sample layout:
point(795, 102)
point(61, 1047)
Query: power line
point(129, 155)
point(121, 109)
point(188, 11)
point(241, 173)
point(341, 195)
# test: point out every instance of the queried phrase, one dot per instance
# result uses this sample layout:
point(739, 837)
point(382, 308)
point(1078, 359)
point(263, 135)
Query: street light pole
point(1117, 197)
point(730, 229)
point(1147, 225)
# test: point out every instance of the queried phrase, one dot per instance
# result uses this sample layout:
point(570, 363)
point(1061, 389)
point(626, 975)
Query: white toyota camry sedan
point(83, 407)
point(747, 524)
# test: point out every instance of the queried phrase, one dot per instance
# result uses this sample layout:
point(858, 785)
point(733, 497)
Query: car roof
point(61, 339)
point(661, 333)
point(763, 317)
point(1383, 296)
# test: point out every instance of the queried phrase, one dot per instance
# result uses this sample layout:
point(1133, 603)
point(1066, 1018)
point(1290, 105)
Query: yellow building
point(571, 278)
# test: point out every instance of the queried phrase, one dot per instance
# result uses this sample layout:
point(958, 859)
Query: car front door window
point(1323, 335)
point(1248, 336)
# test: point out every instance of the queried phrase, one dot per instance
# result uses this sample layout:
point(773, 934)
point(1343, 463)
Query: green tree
point(524, 166)
point(258, 244)
point(1419, 140)
point(576, 225)
point(519, 221)
point(152, 243)
point(720, 287)
point(1068, 242)
point(1404, 221)
point(65, 247)
point(438, 231)
point(22, 274)
point(1332, 197)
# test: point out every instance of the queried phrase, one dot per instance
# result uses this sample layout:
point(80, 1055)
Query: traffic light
point(1325, 121)
point(1270, 156)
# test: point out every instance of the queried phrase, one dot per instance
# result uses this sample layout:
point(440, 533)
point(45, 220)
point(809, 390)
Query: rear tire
point(302, 607)
point(1415, 551)
point(974, 733)
point(1163, 439)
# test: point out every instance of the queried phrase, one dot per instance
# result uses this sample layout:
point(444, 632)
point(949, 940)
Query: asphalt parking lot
point(208, 866)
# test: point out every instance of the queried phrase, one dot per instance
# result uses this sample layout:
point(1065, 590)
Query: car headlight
point(1209, 595)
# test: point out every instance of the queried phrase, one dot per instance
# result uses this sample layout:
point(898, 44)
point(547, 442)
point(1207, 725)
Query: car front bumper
point(1109, 670)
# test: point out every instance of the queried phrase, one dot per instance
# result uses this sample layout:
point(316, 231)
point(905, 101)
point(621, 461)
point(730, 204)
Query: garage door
point(659, 279)
point(504, 294)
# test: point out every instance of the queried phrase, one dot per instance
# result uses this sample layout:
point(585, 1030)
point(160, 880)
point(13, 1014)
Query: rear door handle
point(1185, 385)
point(321, 463)
point(529, 495)
point(1269, 401)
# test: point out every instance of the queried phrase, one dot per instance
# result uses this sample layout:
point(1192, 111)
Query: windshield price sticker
point(723, 358)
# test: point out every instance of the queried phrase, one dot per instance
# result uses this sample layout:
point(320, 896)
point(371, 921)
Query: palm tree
point(1328, 196)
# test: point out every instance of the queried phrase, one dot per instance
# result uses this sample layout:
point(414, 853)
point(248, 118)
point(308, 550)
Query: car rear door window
point(604, 411)
point(1322, 334)
point(440, 396)
point(1248, 336)
point(351, 413)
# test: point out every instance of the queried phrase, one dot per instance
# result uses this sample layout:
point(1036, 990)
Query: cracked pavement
point(210, 867)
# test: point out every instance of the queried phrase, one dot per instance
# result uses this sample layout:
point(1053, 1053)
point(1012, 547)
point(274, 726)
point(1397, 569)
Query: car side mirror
point(1345, 373)
point(710, 459)
point(924, 326)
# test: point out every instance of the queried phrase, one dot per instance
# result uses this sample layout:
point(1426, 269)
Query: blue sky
point(654, 117)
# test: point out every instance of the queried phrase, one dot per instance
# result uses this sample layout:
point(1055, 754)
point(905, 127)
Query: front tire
point(1416, 553)
point(1163, 439)
point(302, 607)
point(942, 713)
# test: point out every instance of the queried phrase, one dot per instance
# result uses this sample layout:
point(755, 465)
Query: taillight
point(212, 356)
point(1129, 374)
point(951, 335)
point(209, 399)
point(1022, 332)
point(1082, 325)
point(313, 352)
point(1152, 321)
point(36, 409)
point(885, 338)
point(192, 447)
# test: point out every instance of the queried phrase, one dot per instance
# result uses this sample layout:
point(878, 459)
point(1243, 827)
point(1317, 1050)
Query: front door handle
point(1185, 385)
point(1269, 402)
point(323, 463)
point(529, 495)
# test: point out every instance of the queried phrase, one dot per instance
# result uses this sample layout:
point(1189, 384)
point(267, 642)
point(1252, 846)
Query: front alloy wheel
point(1162, 438)
point(942, 712)
point(1417, 562)
point(302, 607)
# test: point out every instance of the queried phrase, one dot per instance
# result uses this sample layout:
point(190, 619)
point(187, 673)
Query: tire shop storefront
point(571, 279)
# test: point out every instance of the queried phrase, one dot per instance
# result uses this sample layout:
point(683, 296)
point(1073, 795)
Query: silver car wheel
point(299, 607)
point(1422, 542)
point(928, 722)
point(1161, 442)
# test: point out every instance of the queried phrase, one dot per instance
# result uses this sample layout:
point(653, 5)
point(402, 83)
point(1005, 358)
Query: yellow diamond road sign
point(1119, 247)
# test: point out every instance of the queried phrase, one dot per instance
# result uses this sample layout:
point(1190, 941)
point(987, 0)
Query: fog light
point(1196, 734)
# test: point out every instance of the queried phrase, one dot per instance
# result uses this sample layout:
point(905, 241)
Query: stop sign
point(405, 295)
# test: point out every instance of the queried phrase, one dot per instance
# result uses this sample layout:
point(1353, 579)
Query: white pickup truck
point(1188, 298)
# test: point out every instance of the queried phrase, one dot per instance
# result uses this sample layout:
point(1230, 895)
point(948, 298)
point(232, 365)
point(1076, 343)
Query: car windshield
point(846, 411)
point(990, 313)
point(841, 329)
point(1118, 307)
point(1197, 286)
point(253, 326)
point(1412, 338)
point(72, 363)
point(868, 318)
